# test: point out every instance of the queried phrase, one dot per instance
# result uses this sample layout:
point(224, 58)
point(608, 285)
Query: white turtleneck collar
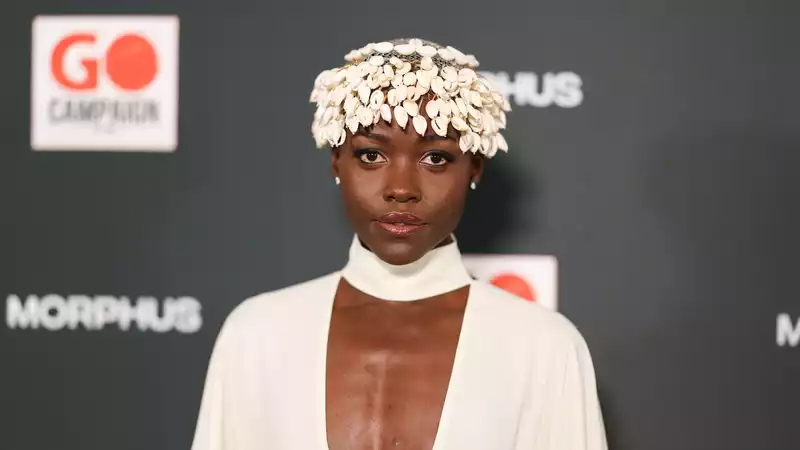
point(439, 271)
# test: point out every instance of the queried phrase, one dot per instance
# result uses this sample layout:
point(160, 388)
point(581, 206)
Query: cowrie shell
point(373, 82)
point(352, 123)
point(475, 98)
point(492, 145)
point(409, 79)
point(341, 137)
point(365, 67)
point(449, 74)
point(337, 96)
point(391, 97)
point(426, 63)
point(444, 107)
point(366, 50)
point(404, 49)
point(437, 85)
point(384, 47)
point(397, 81)
point(400, 116)
point(414, 93)
point(411, 108)
point(365, 116)
point(489, 124)
point(445, 54)
point(388, 70)
point(420, 124)
point(439, 125)
point(462, 107)
point(405, 69)
point(328, 115)
point(354, 75)
point(476, 141)
point(432, 108)
point(427, 50)
point(376, 60)
point(466, 75)
point(402, 93)
point(473, 113)
point(363, 93)
point(454, 51)
point(386, 112)
point(423, 78)
point(338, 77)
point(376, 99)
point(486, 144)
point(459, 124)
point(502, 119)
point(453, 107)
point(465, 143)
point(352, 55)
point(501, 142)
point(350, 104)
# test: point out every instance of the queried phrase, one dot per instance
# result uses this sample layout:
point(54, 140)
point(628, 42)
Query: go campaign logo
point(104, 82)
point(787, 333)
point(92, 313)
point(531, 277)
point(562, 89)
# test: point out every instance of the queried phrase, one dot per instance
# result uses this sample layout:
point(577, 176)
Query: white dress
point(522, 377)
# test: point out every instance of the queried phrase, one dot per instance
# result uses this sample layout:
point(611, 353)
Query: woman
point(401, 348)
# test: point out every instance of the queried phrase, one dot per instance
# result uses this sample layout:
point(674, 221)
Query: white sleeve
point(573, 419)
point(209, 432)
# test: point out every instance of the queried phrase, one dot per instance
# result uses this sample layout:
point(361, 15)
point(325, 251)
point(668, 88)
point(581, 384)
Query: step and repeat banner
point(157, 168)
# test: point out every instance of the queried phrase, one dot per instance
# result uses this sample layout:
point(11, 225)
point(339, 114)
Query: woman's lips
point(400, 224)
point(400, 229)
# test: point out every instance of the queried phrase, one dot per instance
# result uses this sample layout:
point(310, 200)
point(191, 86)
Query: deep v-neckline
point(453, 386)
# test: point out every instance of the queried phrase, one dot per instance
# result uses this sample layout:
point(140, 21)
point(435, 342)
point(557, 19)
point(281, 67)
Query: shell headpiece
point(394, 80)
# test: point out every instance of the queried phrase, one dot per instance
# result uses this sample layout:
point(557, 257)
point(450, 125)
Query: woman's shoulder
point(530, 321)
point(281, 304)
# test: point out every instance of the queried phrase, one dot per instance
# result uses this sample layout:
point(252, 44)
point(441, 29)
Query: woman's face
point(403, 193)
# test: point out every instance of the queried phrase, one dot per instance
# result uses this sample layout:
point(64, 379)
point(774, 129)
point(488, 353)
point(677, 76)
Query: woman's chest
point(368, 384)
point(387, 378)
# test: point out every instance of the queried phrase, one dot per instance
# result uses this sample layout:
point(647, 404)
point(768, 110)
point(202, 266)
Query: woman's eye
point(369, 156)
point(435, 159)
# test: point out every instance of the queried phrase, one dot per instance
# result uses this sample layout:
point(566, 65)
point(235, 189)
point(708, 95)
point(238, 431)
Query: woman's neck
point(439, 271)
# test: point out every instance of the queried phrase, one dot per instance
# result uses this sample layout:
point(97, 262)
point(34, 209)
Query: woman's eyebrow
point(373, 135)
point(436, 137)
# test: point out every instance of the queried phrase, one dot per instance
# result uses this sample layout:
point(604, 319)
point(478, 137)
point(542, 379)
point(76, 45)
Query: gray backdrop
point(669, 196)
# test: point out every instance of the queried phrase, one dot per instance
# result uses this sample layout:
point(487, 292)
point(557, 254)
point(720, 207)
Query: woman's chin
point(399, 253)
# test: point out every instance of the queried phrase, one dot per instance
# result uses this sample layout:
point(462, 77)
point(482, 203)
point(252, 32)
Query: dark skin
point(389, 363)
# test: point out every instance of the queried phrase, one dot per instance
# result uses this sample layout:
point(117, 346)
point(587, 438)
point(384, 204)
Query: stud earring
point(337, 180)
point(473, 186)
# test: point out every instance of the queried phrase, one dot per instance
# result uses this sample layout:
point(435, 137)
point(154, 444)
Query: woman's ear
point(477, 168)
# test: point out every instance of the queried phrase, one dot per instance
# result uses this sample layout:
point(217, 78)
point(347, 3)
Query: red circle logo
point(131, 62)
point(515, 285)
